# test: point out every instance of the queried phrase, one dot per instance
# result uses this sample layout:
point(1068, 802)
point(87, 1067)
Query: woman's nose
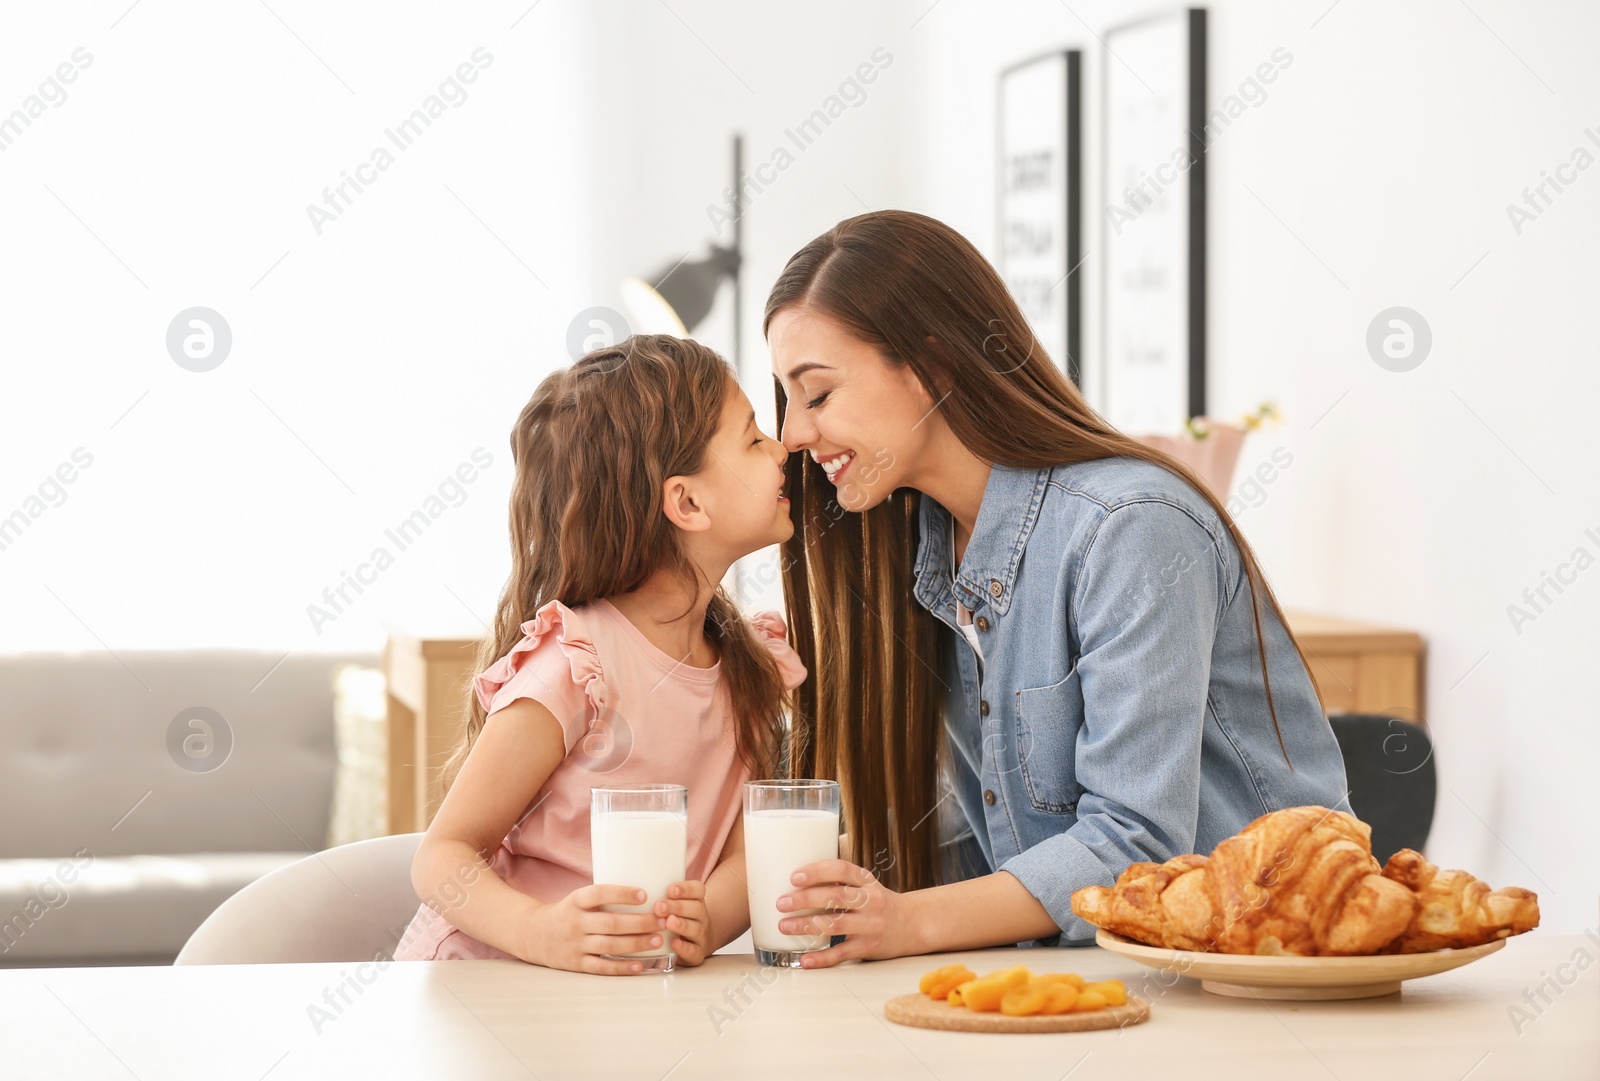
point(797, 434)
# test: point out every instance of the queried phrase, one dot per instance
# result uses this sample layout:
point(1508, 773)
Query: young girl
point(640, 477)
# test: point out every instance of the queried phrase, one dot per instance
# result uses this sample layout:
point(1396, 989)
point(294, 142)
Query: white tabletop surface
point(502, 1019)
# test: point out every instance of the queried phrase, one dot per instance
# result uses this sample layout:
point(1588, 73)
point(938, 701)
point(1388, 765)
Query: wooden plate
point(1298, 978)
point(920, 1011)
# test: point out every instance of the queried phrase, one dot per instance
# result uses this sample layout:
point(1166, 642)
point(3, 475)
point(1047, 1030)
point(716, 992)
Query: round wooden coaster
point(920, 1011)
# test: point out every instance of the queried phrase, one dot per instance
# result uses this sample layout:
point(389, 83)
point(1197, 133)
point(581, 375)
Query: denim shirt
point(1119, 714)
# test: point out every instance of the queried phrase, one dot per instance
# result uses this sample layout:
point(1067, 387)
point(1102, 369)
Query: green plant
point(1200, 427)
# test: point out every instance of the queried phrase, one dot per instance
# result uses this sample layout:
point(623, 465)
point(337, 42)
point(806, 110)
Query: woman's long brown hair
point(870, 715)
point(592, 449)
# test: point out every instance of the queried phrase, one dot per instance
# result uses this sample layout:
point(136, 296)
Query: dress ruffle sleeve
point(772, 632)
point(555, 664)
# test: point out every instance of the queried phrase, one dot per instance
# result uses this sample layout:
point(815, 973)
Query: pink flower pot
point(1213, 457)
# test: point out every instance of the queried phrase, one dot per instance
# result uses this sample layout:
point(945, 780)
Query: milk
point(643, 849)
point(777, 843)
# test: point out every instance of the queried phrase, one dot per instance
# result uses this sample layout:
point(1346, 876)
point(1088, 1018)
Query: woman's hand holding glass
point(877, 922)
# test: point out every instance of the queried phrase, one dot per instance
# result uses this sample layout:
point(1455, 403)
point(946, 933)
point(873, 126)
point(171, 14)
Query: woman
point(991, 584)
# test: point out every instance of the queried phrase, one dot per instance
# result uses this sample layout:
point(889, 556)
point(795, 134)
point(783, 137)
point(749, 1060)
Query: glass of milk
point(787, 824)
point(639, 836)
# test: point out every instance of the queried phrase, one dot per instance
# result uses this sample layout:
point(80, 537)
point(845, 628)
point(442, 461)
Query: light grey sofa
point(125, 817)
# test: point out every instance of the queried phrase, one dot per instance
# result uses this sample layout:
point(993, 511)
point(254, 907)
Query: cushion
point(110, 907)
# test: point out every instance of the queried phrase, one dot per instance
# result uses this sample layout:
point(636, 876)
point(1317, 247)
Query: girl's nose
point(779, 452)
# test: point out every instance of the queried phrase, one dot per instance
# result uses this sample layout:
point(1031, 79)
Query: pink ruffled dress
point(630, 714)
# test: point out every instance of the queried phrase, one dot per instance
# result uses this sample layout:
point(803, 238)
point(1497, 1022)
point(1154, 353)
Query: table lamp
point(678, 296)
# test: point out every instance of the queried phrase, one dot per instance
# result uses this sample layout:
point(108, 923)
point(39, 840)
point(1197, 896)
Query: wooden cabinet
point(1363, 667)
point(426, 684)
point(1358, 667)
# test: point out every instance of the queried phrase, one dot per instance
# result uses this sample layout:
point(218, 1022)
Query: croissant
point(1303, 881)
point(1160, 903)
point(1457, 909)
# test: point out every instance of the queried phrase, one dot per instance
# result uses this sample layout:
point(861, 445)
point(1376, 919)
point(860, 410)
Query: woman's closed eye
point(819, 399)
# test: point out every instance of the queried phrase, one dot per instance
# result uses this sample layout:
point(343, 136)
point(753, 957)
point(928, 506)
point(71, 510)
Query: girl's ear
point(680, 505)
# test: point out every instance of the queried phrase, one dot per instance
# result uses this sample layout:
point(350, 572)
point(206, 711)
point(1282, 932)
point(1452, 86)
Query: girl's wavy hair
point(592, 449)
point(870, 715)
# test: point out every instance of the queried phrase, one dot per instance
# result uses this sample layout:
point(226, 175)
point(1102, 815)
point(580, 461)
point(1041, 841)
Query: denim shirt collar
point(988, 570)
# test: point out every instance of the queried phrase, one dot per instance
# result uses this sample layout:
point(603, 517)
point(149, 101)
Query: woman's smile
point(834, 464)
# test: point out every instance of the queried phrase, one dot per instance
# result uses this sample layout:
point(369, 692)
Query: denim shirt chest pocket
point(1048, 720)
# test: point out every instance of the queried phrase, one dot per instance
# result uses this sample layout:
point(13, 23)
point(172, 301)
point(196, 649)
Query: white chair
point(745, 943)
point(349, 903)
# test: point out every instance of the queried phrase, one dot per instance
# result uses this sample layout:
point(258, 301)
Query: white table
point(500, 1019)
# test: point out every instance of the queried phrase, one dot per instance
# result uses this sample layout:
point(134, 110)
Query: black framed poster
point(1038, 132)
point(1154, 304)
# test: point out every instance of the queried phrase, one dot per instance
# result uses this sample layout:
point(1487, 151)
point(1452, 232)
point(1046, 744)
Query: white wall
point(705, 70)
point(367, 364)
point(407, 334)
point(1429, 499)
point(1391, 146)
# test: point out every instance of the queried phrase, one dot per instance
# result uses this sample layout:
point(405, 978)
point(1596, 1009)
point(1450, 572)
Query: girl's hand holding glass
point(684, 914)
point(574, 934)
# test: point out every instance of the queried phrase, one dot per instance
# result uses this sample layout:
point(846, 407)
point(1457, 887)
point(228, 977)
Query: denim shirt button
point(983, 624)
point(995, 588)
point(983, 707)
point(988, 796)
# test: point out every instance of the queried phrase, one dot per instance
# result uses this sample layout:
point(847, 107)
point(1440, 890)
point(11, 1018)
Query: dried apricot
point(929, 978)
point(1059, 997)
point(984, 995)
point(1111, 990)
point(946, 982)
point(1089, 1001)
point(1022, 1001)
point(1015, 976)
point(1017, 992)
